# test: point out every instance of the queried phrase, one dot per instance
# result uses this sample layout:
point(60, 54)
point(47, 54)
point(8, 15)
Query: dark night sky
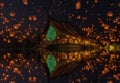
point(90, 14)
point(97, 18)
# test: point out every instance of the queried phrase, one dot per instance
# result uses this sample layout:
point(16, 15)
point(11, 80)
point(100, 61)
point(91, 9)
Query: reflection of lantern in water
point(12, 13)
point(1, 32)
point(4, 56)
point(1, 5)
point(4, 39)
point(32, 79)
point(105, 26)
point(24, 36)
point(20, 40)
point(25, 2)
point(34, 18)
point(77, 5)
point(8, 41)
point(30, 18)
point(96, 1)
point(15, 26)
point(8, 54)
point(12, 62)
point(12, 82)
point(12, 34)
point(15, 70)
point(78, 17)
point(27, 33)
point(117, 20)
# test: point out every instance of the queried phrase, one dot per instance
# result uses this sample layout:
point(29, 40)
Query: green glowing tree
point(51, 62)
point(51, 34)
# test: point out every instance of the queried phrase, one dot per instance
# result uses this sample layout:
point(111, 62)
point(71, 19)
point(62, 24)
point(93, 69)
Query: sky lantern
point(16, 26)
point(110, 14)
point(77, 5)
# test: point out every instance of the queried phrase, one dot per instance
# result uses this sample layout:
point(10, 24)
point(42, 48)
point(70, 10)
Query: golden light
point(70, 40)
point(105, 70)
point(111, 47)
point(76, 41)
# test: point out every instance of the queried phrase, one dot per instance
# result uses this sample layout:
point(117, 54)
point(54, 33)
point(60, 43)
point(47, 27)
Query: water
point(25, 66)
